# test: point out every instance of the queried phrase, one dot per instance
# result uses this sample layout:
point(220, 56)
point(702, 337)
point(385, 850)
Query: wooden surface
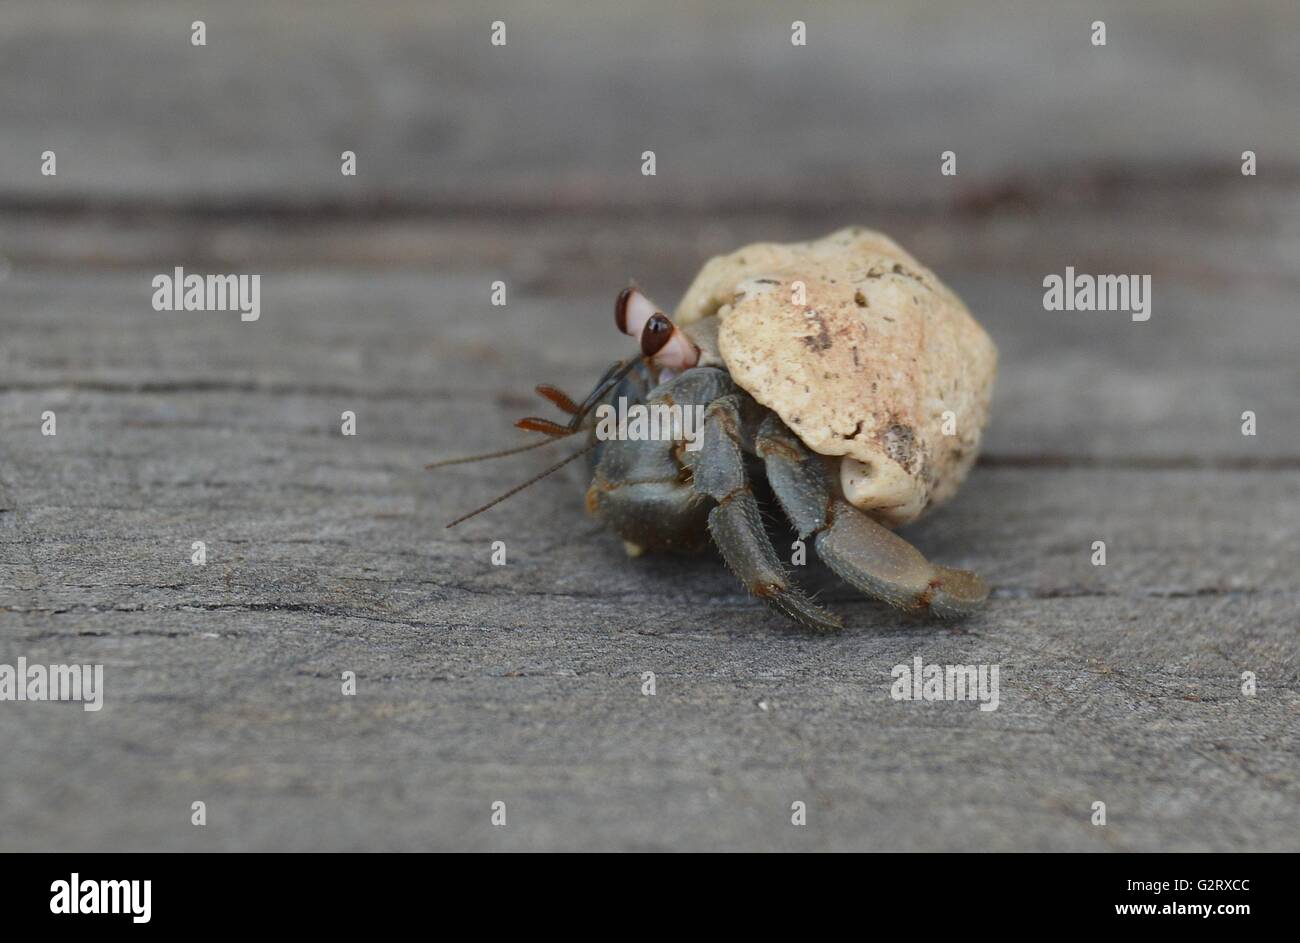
point(522, 683)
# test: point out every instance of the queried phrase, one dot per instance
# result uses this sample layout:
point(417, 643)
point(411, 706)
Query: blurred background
point(523, 163)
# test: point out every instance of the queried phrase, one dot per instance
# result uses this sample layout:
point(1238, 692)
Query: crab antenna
point(486, 455)
point(553, 431)
point(531, 481)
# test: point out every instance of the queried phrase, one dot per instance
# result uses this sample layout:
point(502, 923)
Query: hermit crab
point(841, 372)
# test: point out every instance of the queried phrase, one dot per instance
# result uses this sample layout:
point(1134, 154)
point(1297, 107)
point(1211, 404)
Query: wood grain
point(522, 683)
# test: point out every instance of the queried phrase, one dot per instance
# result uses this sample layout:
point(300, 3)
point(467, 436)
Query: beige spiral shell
point(863, 353)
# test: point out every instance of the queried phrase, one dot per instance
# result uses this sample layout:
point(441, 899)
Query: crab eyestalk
point(632, 310)
point(662, 342)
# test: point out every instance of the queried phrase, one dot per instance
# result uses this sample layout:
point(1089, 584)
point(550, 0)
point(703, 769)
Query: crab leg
point(737, 526)
point(862, 552)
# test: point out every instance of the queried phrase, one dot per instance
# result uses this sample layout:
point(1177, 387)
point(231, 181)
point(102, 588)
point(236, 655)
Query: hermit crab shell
point(863, 353)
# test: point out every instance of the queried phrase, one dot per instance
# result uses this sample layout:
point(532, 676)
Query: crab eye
point(656, 333)
point(632, 310)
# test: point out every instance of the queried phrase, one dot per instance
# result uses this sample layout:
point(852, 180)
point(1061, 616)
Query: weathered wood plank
point(564, 111)
point(523, 683)
point(1073, 385)
point(1131, 702)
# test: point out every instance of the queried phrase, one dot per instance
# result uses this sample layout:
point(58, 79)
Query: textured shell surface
point(864, 354)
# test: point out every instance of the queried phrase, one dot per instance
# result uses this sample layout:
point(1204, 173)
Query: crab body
point(841, 373)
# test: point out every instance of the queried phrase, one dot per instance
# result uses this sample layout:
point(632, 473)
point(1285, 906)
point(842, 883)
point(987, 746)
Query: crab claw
point(877, 561)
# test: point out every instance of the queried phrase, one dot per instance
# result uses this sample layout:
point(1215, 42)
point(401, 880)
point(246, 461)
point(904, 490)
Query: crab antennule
point(536, 424)
point(558, 397)
point(552, 430)
point(613, 376)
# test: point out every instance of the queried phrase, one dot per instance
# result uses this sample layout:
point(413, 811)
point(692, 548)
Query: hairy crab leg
point(736, 524)
point(862, 552)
